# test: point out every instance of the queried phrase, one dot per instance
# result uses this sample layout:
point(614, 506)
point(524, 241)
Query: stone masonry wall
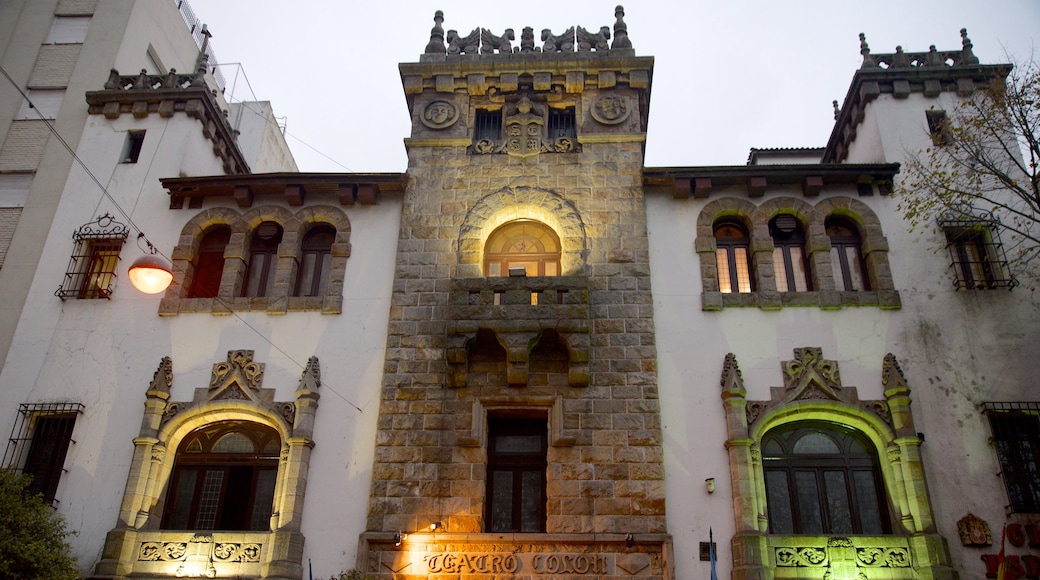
point(605, 470)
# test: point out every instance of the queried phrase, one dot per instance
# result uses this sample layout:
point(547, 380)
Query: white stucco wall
point(957, 349)
point(260, 138)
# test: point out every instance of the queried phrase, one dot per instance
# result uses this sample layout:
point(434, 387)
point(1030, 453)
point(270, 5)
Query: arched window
point(789, 258)
point(209, 264)
point(224, 478)
point(263, 254)
point(522, 243)
point(732, 257)
point(315, 261)
point(823, 480)
point(850, 270)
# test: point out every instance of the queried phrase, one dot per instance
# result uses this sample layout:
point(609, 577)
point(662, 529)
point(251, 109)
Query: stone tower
point(519, 428)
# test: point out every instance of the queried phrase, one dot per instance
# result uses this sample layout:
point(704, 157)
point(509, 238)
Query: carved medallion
point(611, 109)
point(439, 115)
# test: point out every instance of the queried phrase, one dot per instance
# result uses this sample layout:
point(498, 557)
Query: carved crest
point(237, 378)
point(809, 376)
point(974, 531)
point(439, 114)
point(610, 109)
point(524, 130)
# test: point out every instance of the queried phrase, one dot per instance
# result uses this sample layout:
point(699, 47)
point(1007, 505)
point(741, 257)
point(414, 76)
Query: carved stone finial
point(162, 380)
point(113, 80)
point(900, 59)
point(731, 377)
point(837, 110)
point(967, 56)
point(527, 40)
point(864, 49)
point(892, 377)
point(620, 30)
point(310, 380)
point(561, 43)
point(934, 58)
point(436, 44)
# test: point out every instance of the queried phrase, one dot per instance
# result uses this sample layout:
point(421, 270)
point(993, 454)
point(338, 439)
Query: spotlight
point(710, 484)
point(629, 540)
point(435, 526)
point(397, 539)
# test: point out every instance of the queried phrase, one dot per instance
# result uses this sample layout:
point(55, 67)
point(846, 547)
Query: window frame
point(263, 253)
point(841, 245)
point(26, 438)
point(518, 465)
point(91, 272)
point(544, 263)
point(487, 124)
point(792, 466)
point(209, 262)
point(727, 246)
point(783, 244)
point(315, 256)
point(230, 466)
point(1014, 458)
point(976, 253)
point(132, 147)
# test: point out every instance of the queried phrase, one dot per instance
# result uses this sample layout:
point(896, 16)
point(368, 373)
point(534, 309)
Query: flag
point(1001, 564)
point(711, 555)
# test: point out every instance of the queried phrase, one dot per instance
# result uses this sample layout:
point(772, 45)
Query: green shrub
point(33, 535)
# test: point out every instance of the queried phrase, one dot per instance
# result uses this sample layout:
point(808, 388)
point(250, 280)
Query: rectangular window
point(92, 267)
point(938, 127)
point(516, 475)
point(40, 441)
point(132, 147)
point(487, 125)
point(1016, 438)
point(561, 123)
point(46, 103)
point(976, 255)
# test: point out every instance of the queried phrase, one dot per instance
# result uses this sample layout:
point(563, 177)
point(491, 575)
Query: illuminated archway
point(522, 243)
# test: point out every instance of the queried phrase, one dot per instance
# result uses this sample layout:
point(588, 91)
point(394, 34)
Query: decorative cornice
point(167, 94)
point(349, 188)
point(901, 73)
point(699, 182)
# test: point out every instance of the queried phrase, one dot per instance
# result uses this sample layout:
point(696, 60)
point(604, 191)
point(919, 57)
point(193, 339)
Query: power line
point(141, 234)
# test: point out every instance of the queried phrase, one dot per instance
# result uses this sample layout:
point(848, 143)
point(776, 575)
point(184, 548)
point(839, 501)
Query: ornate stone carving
point(620, 29)
point(439, 114)
point(731, 377)
point(484, 146)
point(469, 44)
point(524, 130)
point(162, 380)
point(593, 40)
point(310, 380)
point(170, 410)
point(611, 109)
point(753, 410)
point(809, 371)
point(161, 551)
point(236, 552)
point(974, 531)
point(490, 43)
point(892, 376)
point(158, 453)
point(289, 412)
point(234, 378)
point(880, 408)
point(436, 44)
point(561, 43)
point(800, 557)
point(883, 557)
point(527, 39)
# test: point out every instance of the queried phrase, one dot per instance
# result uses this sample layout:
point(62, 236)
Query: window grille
point(487, 125)
point(976, 254)
point(92, 267)
point(1016, 438)
point(39, 441)
point(561, 123)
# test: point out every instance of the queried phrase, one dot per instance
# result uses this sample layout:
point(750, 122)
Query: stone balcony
point(519, 311)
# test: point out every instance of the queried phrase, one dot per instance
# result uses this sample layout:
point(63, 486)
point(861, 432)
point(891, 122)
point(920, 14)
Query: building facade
point(528, 355)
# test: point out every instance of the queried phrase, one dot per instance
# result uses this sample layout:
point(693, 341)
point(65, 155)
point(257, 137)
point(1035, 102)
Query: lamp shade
point(151, 273)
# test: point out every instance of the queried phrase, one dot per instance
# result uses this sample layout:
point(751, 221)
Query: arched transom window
point(522, 244)
point(823, 480)
point(224, 478)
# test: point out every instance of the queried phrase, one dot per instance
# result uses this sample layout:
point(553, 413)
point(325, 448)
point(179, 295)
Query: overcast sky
point(729, 75)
